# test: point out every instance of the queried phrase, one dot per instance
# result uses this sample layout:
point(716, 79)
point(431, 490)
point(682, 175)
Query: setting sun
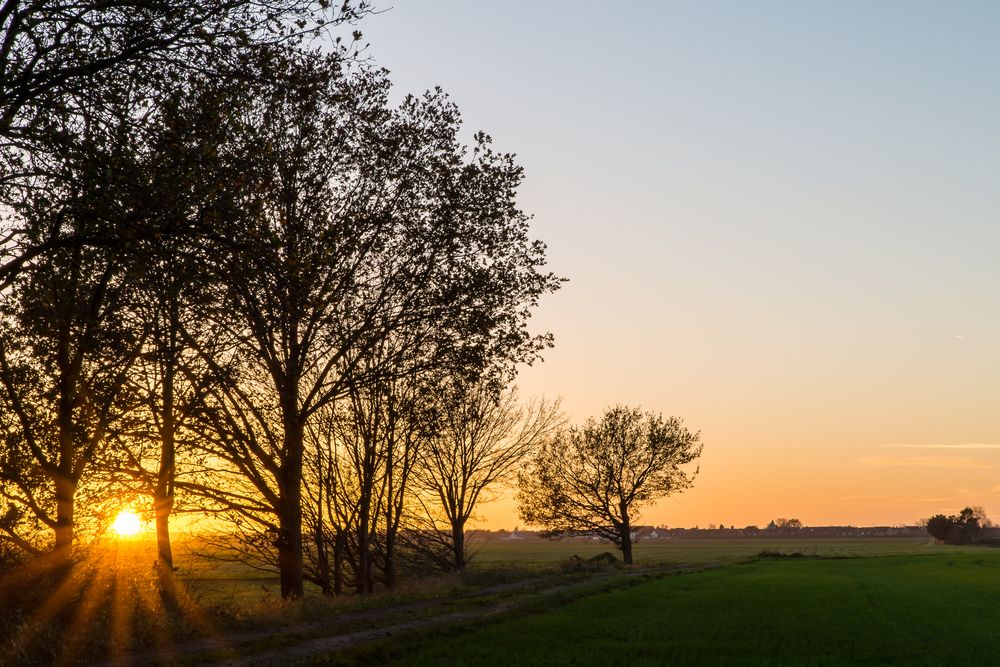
point(127, 524)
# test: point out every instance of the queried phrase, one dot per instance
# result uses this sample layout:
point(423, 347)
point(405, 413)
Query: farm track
point(351, 629)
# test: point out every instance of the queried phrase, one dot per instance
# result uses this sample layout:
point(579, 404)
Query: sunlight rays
point(113, 598)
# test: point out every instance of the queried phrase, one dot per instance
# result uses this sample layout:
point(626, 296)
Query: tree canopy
point(593, 479)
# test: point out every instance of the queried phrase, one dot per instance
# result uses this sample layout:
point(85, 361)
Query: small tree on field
point(594, 479)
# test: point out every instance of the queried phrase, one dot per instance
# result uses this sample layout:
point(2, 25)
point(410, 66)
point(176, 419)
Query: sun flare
point(127, 524)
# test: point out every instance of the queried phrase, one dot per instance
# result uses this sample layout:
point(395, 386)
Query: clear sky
point(780, 222)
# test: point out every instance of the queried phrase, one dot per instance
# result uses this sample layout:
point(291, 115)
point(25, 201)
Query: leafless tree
point(482, 438)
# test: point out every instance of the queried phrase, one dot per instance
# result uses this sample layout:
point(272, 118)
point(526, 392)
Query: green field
point(215, 582)
point(545, 553)
point(687, 602)
point(934, 609)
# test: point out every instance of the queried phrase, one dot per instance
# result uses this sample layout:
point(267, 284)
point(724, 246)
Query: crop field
point(235, 583)
point(918, 609)
point(533, 552)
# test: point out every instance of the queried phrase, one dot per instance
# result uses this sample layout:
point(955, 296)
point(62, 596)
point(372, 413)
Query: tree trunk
point(163, 505)
point(627, 548)
point(65, 496)
point(289, 542)
point(65, 485)
point(625, 530)
point(364, 529)
point(322, 559)
point(458, 543)
point(390, 560)
point(362, 574)
point(338, 561)
point(164, 555)
point(163, 494)
point(289, 545)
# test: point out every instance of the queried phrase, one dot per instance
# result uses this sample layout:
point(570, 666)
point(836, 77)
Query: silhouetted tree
point(939, 525)
point(482, 437)
point(184, 195)
point(69, 338)
point(358, 221)
point(592, 480)
point(57, 59)
point(961, 528)
point(379, 433)
point(974, 518)
point(53, 49)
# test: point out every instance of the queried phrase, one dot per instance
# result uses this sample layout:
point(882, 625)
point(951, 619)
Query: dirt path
point(353, 628)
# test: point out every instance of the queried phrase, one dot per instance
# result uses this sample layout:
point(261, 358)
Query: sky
point(779, 222)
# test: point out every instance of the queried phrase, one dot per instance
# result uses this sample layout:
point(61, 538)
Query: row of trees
point(237, 278)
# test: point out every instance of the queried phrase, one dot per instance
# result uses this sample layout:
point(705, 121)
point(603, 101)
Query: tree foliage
point(366, 239)
point(593, 479)
point(961, 528)
point(234, 274)
point(52, 51)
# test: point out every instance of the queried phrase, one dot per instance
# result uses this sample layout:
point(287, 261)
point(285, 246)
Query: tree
point(592, 480)
point(939, 525)
point(57, 58)
point(182, 195)
point(379, 431)
point(974, 518)
point(961, 528)
point(357, 221)
point(482, 437)
point(68, 338)
point(51, 48)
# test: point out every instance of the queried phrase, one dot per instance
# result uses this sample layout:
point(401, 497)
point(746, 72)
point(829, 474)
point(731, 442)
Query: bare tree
point(592, 480)
point(380, 432)
point(483, 436)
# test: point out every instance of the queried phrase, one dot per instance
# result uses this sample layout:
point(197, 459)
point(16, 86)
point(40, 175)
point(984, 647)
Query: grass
point(841, 601)
point(543, 554)
point(922, 609)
